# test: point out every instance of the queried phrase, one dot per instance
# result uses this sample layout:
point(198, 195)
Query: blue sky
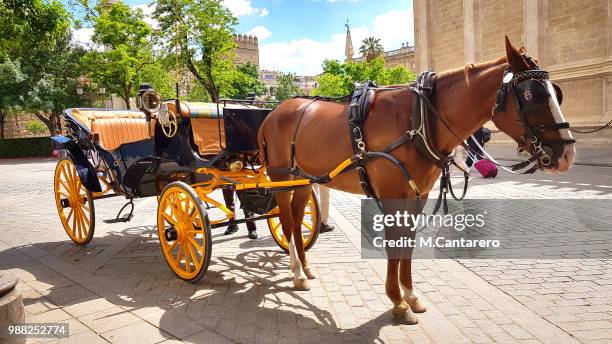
point(297, 35)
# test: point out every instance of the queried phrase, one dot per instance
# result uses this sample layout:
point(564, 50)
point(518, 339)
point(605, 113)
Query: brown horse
point(464, 98)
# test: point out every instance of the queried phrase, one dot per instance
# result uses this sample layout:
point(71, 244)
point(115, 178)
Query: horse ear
point(515, 60)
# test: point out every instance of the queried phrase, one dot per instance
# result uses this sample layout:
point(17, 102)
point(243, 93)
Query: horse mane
point(466, 72)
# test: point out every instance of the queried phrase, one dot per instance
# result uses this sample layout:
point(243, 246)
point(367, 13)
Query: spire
point(348, 48)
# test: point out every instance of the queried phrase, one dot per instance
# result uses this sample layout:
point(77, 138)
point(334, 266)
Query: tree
point(125, 39)
point(338, 79)
point(371, 48)
point(286, 87)
point(31, 30)
point(245, 82)
point(330, 85)
point(203, 31)
point(55, 89)
point(11, 84)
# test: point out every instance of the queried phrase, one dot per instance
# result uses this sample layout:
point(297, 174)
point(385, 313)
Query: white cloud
point(244, 8)
point(260, 31)
point(147, 10)
point(305, 56)
point(83, 36)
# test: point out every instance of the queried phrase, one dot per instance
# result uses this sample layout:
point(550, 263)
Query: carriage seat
point(114, 127)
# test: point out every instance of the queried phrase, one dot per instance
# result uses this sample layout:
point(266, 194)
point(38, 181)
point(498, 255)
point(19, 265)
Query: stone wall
point(15, 126)
point(247, 49)
point(446, 36)
point(571, 39)
point(492, 21)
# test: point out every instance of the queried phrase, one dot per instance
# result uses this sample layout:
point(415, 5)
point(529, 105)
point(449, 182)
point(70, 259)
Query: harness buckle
point(361, 145)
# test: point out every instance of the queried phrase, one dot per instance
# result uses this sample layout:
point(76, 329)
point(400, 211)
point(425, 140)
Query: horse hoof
point(415, 304)
point(405, 318)
point(300, 284)
point(309, 274)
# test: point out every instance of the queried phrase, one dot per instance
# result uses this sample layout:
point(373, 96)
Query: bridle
point(531, 94)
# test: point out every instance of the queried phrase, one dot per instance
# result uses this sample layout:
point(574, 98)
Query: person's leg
point(324, 206)
point(228, 197)
point(250, 225)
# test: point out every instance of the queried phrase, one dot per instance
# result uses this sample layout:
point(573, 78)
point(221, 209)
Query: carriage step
point(126, 217)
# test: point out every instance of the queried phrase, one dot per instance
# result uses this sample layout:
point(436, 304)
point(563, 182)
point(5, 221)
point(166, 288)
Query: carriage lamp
point(79, 90)
point(235, 165)
point(102, 90)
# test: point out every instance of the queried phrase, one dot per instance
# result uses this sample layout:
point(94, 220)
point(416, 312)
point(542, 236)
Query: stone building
point(270, 79)
point(403, 56)
point(247, 49)
point(571, 39)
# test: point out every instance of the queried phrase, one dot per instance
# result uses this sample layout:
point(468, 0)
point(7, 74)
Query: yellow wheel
point(184, 231)
point(310, 225)
point(74, 203)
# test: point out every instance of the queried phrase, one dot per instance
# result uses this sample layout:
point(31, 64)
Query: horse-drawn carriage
point(181, 153)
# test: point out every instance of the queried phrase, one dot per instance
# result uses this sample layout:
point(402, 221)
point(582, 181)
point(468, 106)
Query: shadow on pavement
point(239, 299)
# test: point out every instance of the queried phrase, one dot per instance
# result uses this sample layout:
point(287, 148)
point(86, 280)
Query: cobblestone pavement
point(118, 289)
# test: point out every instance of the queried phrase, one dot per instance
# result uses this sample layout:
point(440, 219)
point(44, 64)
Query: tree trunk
point(49, 122)
point(208, 83)
point(2, 121)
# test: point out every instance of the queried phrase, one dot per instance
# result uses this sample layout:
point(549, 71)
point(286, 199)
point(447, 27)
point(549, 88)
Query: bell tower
point(348, 47)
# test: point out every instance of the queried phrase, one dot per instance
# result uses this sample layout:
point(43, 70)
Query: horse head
point(527, 108)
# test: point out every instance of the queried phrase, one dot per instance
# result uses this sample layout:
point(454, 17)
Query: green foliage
point(286, 87)
point(55, 89)
point(205, 39)
point(371, 48)
point(197, 93)
point(12, 80)
point(32, 44)
point(245, 83)
point(36, 127)
point(338, 79)
point(128, 49)
point(330, 85)
point(25, 147)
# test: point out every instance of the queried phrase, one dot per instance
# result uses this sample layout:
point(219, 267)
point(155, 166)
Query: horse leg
point(298, 205)
point(410, 296)
point(401, 311)
point(283, 200)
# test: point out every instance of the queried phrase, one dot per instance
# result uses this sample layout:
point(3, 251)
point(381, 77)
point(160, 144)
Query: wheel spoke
point(187, 262)
point(172, 201)
point(196, 245)
point(69, 215)
point(66, 186)
point(193, 256)
point(85, 219)
point(74, 224)
point(169, 219)
point(307, 225)
point(179, 255)
point(78, 230)
point(171, 247)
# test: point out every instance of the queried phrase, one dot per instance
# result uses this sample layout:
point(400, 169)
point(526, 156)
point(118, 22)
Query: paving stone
point(137, 333)
point(109, 319)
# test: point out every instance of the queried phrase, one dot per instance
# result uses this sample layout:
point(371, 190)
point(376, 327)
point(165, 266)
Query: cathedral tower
point(348, 47)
